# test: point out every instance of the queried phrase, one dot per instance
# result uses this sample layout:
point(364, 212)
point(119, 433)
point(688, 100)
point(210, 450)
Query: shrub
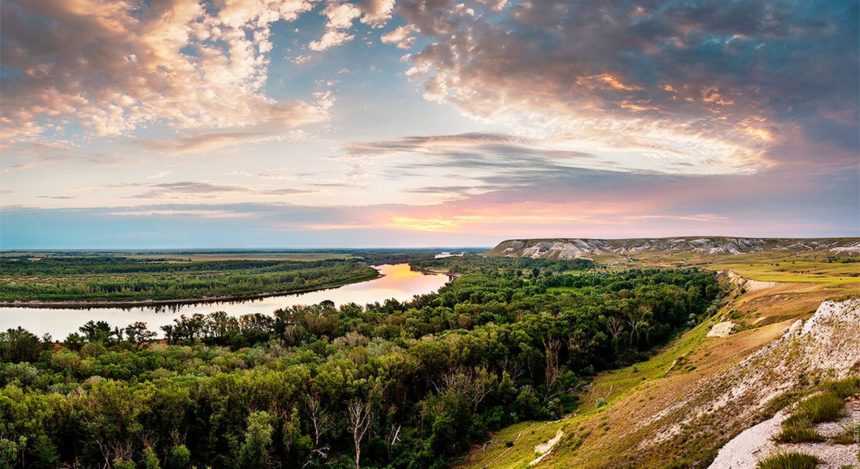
point(150, 460)
point(180, 457)
point(844, 388)
point(120, 463)
point(789, 461)
point(798, 430)
point(848, 435)
point(819, 408)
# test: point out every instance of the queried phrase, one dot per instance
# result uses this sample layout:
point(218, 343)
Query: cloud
point(376, 12)
point(160, 174)
point(339, 18)
point(721, 84)
point(473, 157)
point(194, 213)
point(203, 142)
point(401, 36)
point(575, 202)
point(331, 38)
point(112, 66)
point(194, 189)
point(27, 155)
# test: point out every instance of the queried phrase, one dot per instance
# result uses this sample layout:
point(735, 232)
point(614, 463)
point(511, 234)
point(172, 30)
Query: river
point(398, 281)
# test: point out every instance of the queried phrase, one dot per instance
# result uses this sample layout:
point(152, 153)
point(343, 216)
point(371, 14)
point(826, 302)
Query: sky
point(147, 124)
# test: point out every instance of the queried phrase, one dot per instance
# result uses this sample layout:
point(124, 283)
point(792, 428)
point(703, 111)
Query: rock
point(723, 329)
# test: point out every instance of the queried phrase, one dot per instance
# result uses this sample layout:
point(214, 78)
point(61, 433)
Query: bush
point(150, 459)
point(825, 407)
point(120, 463)
point(844, 388)
point(180, 457)
point(789, 461)
point(798, 428)
point(848, 435)
point(798, 431)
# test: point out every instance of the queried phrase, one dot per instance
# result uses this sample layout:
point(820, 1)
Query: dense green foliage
point(113, 278)
point(386, 385)
point(513, 265)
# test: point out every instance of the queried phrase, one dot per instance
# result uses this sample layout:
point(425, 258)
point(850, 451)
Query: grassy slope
point(780, 267)
point(610, 435)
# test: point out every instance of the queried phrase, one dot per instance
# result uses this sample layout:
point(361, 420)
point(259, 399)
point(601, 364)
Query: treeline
point(385, 385)
point(508, 266)
point(108, 278)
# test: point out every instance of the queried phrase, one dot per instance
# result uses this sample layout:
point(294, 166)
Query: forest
point(401, 385)
point(119, 279)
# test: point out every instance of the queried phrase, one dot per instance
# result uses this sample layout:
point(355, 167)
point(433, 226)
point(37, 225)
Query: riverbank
point(109, 281)
point(86, 304)
point(429, 271)
point(390, 281)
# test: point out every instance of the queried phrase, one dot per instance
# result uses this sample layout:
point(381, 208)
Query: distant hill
point(571, 248)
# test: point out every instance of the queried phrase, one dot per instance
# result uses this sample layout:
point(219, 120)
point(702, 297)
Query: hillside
point(683, 404)
point(571, 248)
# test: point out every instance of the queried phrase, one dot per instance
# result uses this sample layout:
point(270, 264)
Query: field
point(146, 278)
point(768, 266)
point(599, 434)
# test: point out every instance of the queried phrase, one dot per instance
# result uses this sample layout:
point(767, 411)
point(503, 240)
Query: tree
point(360, 413)
point(138, 334)
point(180, 457)
point(150, 459)
point(98, 331)
point(74, 341)
point(320, 421)
point(615, 325)
point(552, 369)
point(19, 345)
point(258, 437)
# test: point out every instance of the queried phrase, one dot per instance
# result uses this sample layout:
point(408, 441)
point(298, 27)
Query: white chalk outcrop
point(574, 248)
point(825, 345)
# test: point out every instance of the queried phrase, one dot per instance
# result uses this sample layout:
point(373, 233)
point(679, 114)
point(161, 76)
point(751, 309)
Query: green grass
point(825, 407)
point(525, 436)
point(789, 461)
point(612, 385)
point(798, 431)
point(848, 436)
point(782, 401)
point(844, 388)
point(770, 268)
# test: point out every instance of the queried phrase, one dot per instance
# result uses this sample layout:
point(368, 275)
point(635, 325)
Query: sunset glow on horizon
point(327, 123)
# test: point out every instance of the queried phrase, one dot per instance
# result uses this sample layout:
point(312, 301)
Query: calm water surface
point(398, 282)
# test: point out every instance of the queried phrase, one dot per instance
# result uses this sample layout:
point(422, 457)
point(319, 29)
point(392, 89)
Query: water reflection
point(398, 282)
